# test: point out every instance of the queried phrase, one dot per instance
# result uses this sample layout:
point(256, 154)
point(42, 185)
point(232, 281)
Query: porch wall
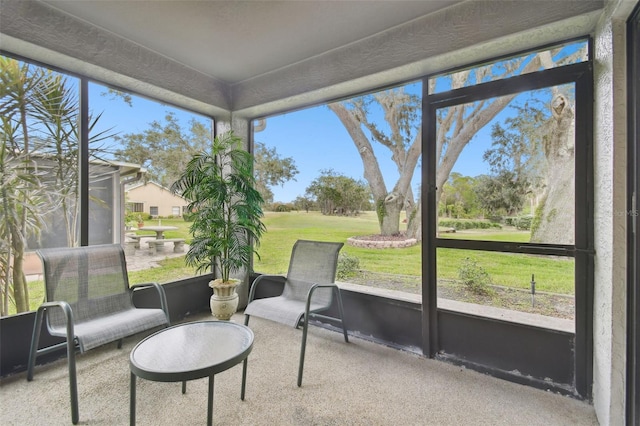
point(610, 135)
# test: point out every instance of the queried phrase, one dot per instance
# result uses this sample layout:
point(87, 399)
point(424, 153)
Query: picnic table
point(158, 229)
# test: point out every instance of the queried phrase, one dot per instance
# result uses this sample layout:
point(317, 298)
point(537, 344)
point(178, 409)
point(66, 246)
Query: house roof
point(143, 184)
point(258, 57)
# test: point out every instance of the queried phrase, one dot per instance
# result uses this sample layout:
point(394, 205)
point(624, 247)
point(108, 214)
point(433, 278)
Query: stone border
point(373, 244)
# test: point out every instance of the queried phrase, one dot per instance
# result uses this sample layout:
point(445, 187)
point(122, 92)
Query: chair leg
point(71, 362)
point(35, 339)
point(244, 379)
point(305, 327)
point(246, 319)
point(341, 311)
point(73, 383)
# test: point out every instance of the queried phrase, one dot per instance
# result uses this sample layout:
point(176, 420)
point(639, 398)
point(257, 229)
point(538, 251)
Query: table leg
point(210, 402)
point(132, 401)
point(244, 378)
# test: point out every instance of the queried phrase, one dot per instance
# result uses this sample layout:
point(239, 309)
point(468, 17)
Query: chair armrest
point(324, 285)
point(255, 283)
point(314, 288)
point(68, 314)
point(161, 294)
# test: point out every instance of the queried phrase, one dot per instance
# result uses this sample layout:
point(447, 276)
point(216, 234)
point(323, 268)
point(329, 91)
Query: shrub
point(188, 217)
point(281, 208)
point(524, 222)
point(495, 218)
point(468, 224)
point(348, 265)
point(474, 277)
point(131, 217)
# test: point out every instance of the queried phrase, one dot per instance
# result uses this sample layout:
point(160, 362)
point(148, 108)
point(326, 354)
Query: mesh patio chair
point(309, 289)
point(89, 303)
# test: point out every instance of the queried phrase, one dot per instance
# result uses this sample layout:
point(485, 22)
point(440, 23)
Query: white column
point(610, 148)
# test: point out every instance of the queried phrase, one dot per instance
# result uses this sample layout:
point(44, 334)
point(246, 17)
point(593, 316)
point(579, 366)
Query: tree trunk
point(18, 237)
point(554, 221)
point(20, 288)
point(388, 211)
point(388, 204)
point(414, 221)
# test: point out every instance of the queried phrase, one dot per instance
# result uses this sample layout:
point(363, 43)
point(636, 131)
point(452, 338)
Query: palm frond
point(220, 187)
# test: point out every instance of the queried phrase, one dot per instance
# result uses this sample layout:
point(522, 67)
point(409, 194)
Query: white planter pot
point(224, 301)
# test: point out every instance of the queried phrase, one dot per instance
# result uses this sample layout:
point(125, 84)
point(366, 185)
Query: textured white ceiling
point(233, 41)
point(254, 58)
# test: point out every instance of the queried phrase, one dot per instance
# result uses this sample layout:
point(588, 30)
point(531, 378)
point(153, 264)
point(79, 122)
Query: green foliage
point(458, 198)
point(503, 193)
point(270, 170)
point(136, 217)
point(164, 148)
point(537, 218)
point(522, 223)
point(552, 215)
point(467, 224)
point(338, 194)
point(189, 217)
point(517, 147)
point(348, 265)
point(39, 129)
point(474, 277)
point(303, 204)
point(228, 209)
point(381, 211)
point(280, 207)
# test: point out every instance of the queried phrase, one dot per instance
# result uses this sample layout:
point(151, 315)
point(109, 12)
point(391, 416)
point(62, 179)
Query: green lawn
point(283, 229)
point(554, 275)
point(513, 270)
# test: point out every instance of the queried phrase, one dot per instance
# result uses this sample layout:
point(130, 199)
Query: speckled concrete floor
point(356, 383)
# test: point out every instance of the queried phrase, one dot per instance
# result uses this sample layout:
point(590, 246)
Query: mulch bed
point(377, 237)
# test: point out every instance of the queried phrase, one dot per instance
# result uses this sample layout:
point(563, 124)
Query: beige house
point(154, 199)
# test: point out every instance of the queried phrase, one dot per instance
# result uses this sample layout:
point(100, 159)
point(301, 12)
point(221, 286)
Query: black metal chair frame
point(308, 313)
point(72, 342)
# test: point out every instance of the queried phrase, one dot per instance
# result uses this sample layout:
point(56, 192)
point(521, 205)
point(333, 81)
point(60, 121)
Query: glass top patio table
point(191, 351)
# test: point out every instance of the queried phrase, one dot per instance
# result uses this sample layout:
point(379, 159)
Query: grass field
point(554, 275)
point(507, 269)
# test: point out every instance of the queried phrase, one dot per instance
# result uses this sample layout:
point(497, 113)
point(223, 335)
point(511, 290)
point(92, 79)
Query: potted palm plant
point(227, 211)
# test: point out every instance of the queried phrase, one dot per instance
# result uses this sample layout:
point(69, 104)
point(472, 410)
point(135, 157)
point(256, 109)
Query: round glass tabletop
point(191, 350)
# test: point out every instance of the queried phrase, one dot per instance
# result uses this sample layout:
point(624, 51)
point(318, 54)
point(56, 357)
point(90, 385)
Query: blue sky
point(123, 118)
point(317, 141)
point(314, 137)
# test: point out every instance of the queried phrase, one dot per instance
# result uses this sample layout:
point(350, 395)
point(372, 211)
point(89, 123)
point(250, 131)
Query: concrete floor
point(356, 383)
